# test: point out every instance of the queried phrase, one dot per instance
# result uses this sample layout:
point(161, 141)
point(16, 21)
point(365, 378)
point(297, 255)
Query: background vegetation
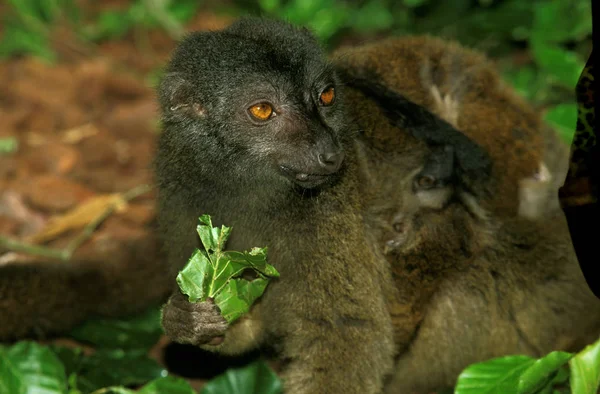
point(539, 45)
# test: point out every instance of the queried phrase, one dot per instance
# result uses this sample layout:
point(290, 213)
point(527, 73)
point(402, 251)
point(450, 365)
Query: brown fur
point(488, 111)
point(40, 299)
point(473, 280)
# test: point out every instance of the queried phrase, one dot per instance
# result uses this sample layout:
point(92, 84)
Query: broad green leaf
point(238, 296)
point(30, 368)
point(255, 378)
point(542, 371)
point(523, 79)
point(168, 384)
point(183, 11)
point(414, 3)
point(136, 332)
point(218, 274)
point(563, 66)
point(213, 238)
point(585, 370)
point(117, 367)
point(269, 5)
point(563, 118)
point(195, 278)
point(496, 376)
point(373, 16)
point(562, 20)
point(17, 40)
point(165, 385)
point(70, 358)
point(110, 24)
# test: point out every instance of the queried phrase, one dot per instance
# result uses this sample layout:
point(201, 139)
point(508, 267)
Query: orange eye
point(262, 111)
point(327, 96)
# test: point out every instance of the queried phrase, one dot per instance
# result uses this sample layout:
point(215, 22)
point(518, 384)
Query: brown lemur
point(476, 276)
point(466, 264)
point(256, 134)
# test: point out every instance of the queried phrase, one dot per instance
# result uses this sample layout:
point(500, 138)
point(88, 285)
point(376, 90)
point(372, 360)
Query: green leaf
point(414, 3)
point(541, 373)
point(523, 79)
point(17, 40)
point(269, 5)
point(563, 118)
point(213, 238)
point(112, 24)
point(562, 20)
point(238, 295)
point(117, 367)
point(195, 278)
point(585, 370)
point(29, 368)
point(70, 357)
point(497, 376)
point(168, 384)
point(563, 66)
point(140, 332)
point(218, 274)
point(183, 11)
point(373, 16)
point(328, 21)
point(255, 378)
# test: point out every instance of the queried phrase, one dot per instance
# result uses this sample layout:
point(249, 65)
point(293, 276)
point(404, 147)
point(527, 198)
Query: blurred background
point(540, 45)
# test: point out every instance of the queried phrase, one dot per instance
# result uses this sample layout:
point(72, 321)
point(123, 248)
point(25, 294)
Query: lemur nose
point(331, 161)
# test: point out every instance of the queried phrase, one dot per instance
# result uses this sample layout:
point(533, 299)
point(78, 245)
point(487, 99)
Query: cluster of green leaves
point(555, 32)
point(120, 360)
point(29, 24)
point(556, 373)
point(553, 74)
point(218, 274)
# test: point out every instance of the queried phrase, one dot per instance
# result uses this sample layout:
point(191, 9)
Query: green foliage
point(168, 14)
point(526, 375)
point(29, 25)
point(108, 367)
point(165, 385)
point(28, 367)
point(137, 332)
point(255, 378)
point(564, 118)
point(218, 274)
point(585, 370)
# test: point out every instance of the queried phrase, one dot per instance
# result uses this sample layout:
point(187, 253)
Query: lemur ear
point(176, 96)
point(470, 163)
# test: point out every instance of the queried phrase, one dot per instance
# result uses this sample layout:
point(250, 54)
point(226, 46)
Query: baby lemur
point(476, 276)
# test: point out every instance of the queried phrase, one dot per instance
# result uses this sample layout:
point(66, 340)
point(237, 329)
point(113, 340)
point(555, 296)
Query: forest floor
point(86, 129)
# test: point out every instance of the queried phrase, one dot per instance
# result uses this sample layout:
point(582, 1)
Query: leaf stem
point(65, 254)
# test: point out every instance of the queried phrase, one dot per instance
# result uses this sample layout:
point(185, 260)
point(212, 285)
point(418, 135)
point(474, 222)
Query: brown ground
point(86, 127)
